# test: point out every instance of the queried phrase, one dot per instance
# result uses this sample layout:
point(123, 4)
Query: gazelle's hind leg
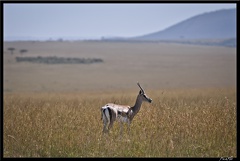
point(112, 118)
point(105, 130)
point(110, 125)
point(105, 117)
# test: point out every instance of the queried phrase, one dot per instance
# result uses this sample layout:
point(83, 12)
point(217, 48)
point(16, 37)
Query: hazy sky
point(82, 20)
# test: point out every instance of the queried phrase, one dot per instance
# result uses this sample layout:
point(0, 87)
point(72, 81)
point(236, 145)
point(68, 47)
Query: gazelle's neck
point(135, 109)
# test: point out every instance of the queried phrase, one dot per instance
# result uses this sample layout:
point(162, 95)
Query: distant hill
point(220, 24)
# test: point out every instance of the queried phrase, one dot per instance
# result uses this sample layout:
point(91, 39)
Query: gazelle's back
point(121, 108)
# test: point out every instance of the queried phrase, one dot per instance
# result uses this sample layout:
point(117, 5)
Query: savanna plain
point(53, 110)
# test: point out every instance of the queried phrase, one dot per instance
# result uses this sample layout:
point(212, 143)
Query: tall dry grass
point(178, 123)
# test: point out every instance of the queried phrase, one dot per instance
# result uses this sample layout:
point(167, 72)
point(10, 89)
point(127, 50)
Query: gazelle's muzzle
point(149, 100)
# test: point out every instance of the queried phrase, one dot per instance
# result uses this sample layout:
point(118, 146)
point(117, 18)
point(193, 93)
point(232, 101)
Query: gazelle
point(125, 114)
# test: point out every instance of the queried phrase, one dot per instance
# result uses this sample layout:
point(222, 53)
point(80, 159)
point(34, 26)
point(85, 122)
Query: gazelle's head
point(143, 94)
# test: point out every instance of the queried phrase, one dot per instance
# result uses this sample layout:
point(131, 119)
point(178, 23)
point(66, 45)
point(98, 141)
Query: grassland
point(154, 65)
point(179, 123)
point(54, 110)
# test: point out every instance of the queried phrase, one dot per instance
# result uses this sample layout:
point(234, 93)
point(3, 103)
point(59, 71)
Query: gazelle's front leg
point(129, 128)
point(121, 129)
point(129, 115)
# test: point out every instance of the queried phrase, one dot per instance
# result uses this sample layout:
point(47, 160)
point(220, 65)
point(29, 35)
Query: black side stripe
point(110, 113)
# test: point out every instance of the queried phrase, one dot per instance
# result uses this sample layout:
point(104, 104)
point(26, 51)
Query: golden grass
point(178, 123)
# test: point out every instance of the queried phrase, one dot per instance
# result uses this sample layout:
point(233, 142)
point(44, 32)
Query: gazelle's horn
point(140, 87)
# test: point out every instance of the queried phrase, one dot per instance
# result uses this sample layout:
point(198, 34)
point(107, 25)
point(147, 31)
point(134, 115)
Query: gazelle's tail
point(106, 114)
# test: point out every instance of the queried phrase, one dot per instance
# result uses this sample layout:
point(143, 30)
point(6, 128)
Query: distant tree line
point(58, 60)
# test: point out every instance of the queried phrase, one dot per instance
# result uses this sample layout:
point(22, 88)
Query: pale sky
point(87, 21)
